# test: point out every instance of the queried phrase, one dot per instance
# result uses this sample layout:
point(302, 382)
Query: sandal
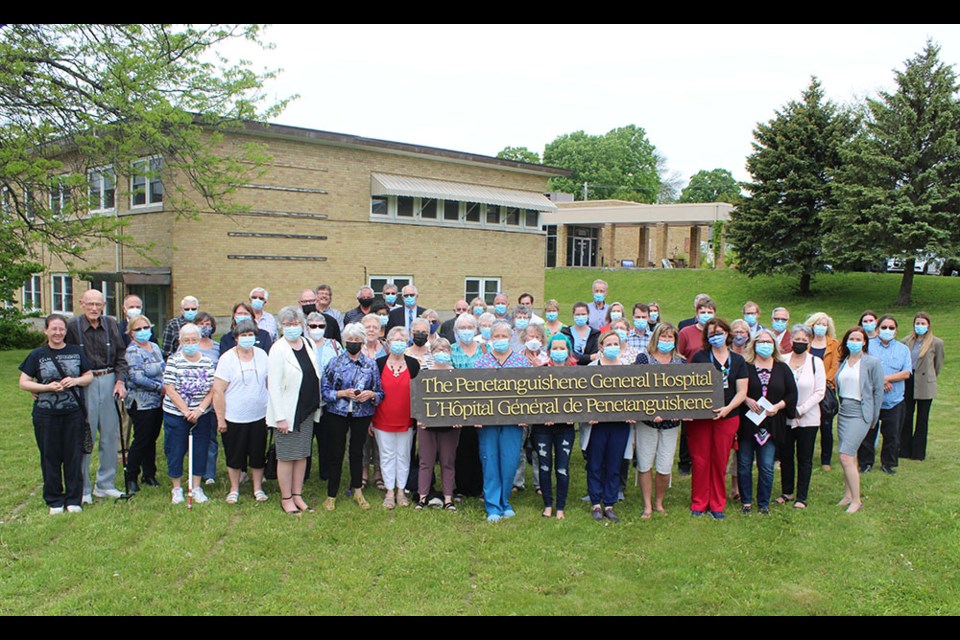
point(421, 503)
point(379, 484)
point(389, 503)
point(449, 506)
point(260, 495)
point(402, 500)
point(232, 497)
point(296, 511)
point(305, 506)
point(360, 500)
point(799, 505)
point(547, 512)
point(783, 499)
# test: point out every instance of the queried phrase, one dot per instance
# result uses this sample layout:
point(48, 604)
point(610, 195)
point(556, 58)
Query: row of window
point(452, 212)
point(486, 288)
point(61, 294)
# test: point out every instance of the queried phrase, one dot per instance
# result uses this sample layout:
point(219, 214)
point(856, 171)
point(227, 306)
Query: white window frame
point(461, 222)
point(109, 291)
point(32, 301)
point(60, 195)
point(147, 183)
point(97, 200)
point(482, 281)
point(58, 302)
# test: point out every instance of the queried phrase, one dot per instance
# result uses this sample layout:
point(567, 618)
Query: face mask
point(920, 329)
point(398, 346)
point(247, 342)
point(654, 316)
point(257, 304)
point(580, 320)
point(133, 312)
point(854, 347)
point(820, 330)
point(206, 332)
point(740, 340)
point(390, 298)
point(466, 335)
point(611, 353)
point(485, 332)
point(559, 355)
point(144, 334)
point(717, 340)
point(599, 297)
point(869, 327)
point(292, 333)
point(308, 308)
point(409, 300)
point(316, 334)
point(501, 346)
point(887, 334)
point(420, 339)
point(500, 309)
point(764, 350)
point(384, 320)
point(441, 357)
point(551, 316)
point(190, 315)
point(640, 324)
point(478, 311)
point(704, 318)
point(533, 345)
point(750, 319)
point(615, 315)
point(622, 334)
point(779, 325)
point(521, 323)
point(238, 319)
point(664, 347)
point(365, 302)
point(800, 347)
point(434, 326)
point(353, 348)
point(190, 349)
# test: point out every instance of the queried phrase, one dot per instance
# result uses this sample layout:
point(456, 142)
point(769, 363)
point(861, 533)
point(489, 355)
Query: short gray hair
point(316, 315)
point(246, 326)
point(418, 321)
point(187, 300)
point(290, 314)
point(486, 316)
point(522, 308)
point(189, 328)
point(464, 319)
point(360, 290)
point(266, 294)
point(501, 323)
point(802, 328)
point(354, 332)
point(397, 331)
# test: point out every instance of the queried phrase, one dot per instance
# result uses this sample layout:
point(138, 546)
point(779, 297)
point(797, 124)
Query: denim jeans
point(176, 431)
point(551, 443)
point(765, 456)
point(604, 454)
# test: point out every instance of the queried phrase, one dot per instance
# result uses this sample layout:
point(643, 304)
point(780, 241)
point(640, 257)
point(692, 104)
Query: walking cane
point(123, 450)
point(190, 467)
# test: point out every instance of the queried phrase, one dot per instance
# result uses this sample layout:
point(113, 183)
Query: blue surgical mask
point(717, 340)
point(779, 325)
point(390, 298)
point(521, 323)
point(854, 347)
point(144, 334)
point(739, 341)
point(580, 320)
point(665, 346)
point(237, 319)
point(764, 349)
point(486, 332)
point(920, 329)
point(599, 297)
point(315, 334)
point(501, 346)
point(206, 332)
point(292, 333)
point(820, 330)
point(190, 349)
point(257, 304)
point(887, 334)
point(551, 316)
point(869, 327)
point(500, 309)
point(398, 346)
point(383, 320)
point(615, 315)
point(654, 316)
point(750, 319)
point(622, 334)
point(478, 311)
point(640, 324)
point(441, 357)
point(247, 342)
point(190, 315)
point(409, 301)
point(611, 353)
point(705, 317)
point(466, 335)
point(559, 355)
point(434, 326)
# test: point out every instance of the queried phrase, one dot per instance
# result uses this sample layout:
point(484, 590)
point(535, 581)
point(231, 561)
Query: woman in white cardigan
point(801, 436)
point(293, 406)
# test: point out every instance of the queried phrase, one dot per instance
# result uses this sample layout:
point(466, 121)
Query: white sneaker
point(55, 511)
point(86, 499)
point(199, 496)
point(74, 508)
point(177, 495)
point(107, 493)
point(210, 481)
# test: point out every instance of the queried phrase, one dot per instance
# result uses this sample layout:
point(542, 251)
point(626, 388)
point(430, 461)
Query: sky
point(698, 91)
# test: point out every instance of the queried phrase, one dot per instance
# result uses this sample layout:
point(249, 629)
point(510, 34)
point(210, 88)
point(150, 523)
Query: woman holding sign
point(771, 396)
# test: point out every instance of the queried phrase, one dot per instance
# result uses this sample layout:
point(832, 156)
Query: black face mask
point(800, 347)
point(308, 308)
point(353, 348)
point(365, 302)
point(420, 339)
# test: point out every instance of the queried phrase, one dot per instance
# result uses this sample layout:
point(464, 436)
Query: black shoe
point(746, 510)
point(866, 468)
point(764, 511)
point(150, 482)
point(597, 514)
point(132, 487)
point(888, 470)
point(611, 515)
point(683, 472)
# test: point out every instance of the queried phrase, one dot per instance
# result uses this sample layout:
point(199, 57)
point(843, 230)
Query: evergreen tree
point(777, 228)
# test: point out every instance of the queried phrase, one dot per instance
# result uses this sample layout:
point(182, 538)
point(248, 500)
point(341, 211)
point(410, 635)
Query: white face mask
point(533, 345)
point(133, 312)
point(316, 334)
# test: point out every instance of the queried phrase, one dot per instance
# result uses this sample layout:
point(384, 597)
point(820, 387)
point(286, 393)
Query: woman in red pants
point(710, 441)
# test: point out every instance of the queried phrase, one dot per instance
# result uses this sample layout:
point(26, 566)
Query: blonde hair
point(816, 318)
point(751, 354)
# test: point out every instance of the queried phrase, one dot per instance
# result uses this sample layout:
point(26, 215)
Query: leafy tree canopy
point(520, 154)
point(717, 185)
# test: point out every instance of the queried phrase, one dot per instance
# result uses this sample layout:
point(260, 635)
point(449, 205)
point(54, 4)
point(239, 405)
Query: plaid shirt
point(171, 336)
point(639, 341)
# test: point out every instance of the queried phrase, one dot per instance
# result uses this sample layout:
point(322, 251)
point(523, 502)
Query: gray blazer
point(926, 372)
point(871, 387)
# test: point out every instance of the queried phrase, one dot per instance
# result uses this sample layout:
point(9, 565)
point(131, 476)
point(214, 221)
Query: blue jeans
point(608, 440)
point(499, 455)
point(176, 430)
point(765, 456)
point(549, 442)
point(211, 464)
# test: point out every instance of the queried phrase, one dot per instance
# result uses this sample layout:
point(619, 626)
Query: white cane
point(190, 469)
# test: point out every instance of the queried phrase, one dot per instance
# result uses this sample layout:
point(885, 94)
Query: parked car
point(928, 264)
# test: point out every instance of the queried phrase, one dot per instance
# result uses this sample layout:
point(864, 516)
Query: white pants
point(656, 445)
point(394, 457)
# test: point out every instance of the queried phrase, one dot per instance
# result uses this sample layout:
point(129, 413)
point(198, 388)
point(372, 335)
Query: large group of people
point(274, 384)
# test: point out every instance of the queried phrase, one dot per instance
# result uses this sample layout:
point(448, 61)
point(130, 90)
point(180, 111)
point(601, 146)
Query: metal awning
point(136, 275)
point(382, 184)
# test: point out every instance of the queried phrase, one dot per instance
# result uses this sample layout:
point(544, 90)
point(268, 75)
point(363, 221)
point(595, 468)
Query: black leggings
point(337, 428)
point(143, 450)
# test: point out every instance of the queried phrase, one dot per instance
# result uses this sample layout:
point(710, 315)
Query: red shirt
point(393, 414)
point(690, 340)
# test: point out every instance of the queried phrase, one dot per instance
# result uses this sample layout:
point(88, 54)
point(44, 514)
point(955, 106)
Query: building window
point(102, 189)
point(109, 292)
point(451, 210)
point(405, 206)
point(551, 231)
point(531, 218)
point(62, 294)
point(472, 213)
point(31, 298)
point(61, 196)
point(428, 208)
point(485, 288)
point(493, 214)
point(146, 189)
point(377, 283)
point(513, 216)
point(453, 213)
point(378, 205)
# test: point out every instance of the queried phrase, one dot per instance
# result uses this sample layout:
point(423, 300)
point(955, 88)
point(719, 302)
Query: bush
point(15, 333)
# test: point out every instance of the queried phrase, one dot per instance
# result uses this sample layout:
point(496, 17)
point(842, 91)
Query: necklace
point(397, 369)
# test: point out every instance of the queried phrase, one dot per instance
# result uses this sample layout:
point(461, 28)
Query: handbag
point(87, 446)
point(829, 407)
point(270, 468)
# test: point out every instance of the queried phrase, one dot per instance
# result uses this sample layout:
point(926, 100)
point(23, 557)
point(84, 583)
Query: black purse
point(829, 407)
point(270, 469)
point(87, 432)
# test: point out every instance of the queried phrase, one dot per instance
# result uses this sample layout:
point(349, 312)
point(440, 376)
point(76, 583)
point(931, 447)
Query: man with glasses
point(897, 367)
point(446, 329)
point(324, 302)
point(308, 304)
point(171, 334)
point(780, 323)
point(264, 319)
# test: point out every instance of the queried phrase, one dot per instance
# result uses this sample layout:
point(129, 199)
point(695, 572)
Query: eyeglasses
point(190, 308)
point(257, 298)
point(781, 319)
point(314, 301)
point(317, 326)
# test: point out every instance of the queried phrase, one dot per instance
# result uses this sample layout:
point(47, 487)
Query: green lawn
point(898, 556)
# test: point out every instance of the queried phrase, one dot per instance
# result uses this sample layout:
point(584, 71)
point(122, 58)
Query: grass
point(898, 556)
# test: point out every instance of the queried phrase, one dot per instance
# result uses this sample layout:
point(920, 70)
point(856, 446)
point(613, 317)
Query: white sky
point(698, 91)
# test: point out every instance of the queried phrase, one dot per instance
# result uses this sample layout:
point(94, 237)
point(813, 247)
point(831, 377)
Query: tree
point(899, 190)
point(520, 154)
point(621, 164)
point(670, 181)
point(717, 185)
point(77, 98)
point(777, 228)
